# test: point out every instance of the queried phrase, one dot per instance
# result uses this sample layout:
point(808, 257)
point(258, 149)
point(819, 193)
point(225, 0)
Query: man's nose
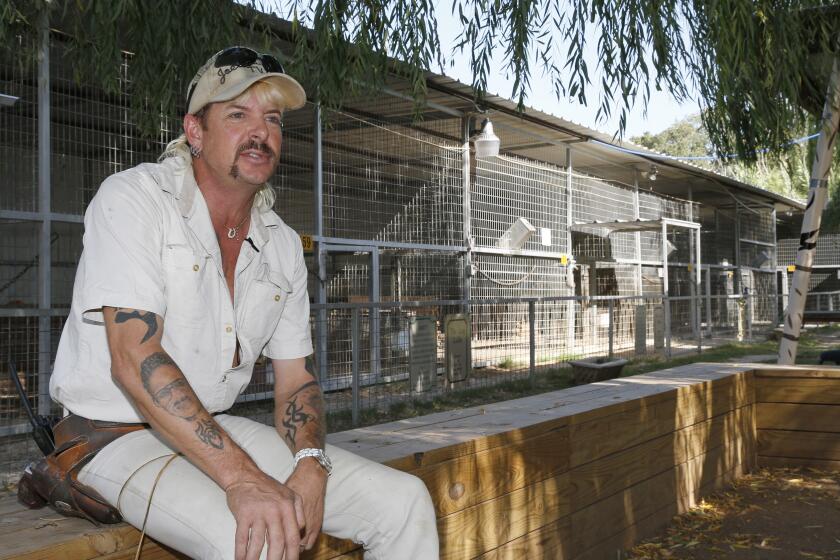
point(259, 129)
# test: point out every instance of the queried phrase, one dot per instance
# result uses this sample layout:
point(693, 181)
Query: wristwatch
point(318, 455)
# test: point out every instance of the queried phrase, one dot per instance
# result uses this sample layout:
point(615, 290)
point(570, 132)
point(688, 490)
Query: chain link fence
point(379, 355)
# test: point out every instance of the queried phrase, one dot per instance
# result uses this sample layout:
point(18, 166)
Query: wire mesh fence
point(379, 355)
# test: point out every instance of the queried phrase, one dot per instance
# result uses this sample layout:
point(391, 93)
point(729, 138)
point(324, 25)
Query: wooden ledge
point(529, 477)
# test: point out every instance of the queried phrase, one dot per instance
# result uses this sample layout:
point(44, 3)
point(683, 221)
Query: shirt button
point(228, 329)
point(195, 267)
point(276, 298)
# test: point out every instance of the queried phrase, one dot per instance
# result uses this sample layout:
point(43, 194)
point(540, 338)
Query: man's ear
point(193, 129)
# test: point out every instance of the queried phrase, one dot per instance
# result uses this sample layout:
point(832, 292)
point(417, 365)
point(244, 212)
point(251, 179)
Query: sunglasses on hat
point(243, 56)
point(240, 57)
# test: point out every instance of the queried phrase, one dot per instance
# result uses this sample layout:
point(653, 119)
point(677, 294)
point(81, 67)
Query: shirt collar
point(181, 184)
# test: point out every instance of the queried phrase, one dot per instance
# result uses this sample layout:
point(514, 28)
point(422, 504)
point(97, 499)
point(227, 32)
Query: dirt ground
point(773, 514)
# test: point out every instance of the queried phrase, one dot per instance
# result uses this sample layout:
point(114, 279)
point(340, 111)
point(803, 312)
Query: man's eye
point(275, 120)
point(237, 115)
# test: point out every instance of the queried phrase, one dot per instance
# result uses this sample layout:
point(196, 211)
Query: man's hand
point(266, 510)
point(309, 481)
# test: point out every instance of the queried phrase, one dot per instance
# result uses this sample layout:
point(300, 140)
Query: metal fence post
point(44, 207)
point(749, 315)
point(532, 340)
point(611, 328)
point(667, 304)
point(354, 347)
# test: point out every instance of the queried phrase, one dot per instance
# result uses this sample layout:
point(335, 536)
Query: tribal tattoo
point(295, 418)
point(208, 432)
point(147, 317)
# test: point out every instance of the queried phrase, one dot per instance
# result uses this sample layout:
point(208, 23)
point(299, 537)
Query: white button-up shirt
point(149, 245)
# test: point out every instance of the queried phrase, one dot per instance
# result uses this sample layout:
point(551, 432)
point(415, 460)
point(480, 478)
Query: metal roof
point(542, 136)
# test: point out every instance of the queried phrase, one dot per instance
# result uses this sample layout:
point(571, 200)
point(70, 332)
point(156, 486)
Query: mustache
point(254, 145)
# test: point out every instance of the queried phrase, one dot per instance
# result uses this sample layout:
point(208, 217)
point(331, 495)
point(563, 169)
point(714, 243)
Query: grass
point(813, 342)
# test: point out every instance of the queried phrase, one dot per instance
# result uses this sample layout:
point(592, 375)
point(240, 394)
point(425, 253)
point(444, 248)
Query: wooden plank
point(804, 417)
point(549, 541)
point(650, 526)
point(611, 474)
point(485, 526)
point(804, 371)
point(679, 486)
point(646, 420)
point(465, 481)
point(798, 390)
point(800, 445)
point(396, 443)
point(789, 462)
point(70, 544)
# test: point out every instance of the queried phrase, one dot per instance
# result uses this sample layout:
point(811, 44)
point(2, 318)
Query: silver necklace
point(234, 231)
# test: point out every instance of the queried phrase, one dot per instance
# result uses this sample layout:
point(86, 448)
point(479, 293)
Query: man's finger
point(276, 541)
point(256, 541)
point(241, 539)
point(291, 529)
point(301, 517)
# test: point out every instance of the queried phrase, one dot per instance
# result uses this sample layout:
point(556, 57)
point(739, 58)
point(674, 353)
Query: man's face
point(241, 139)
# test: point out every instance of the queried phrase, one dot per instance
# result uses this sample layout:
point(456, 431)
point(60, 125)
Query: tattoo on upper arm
point(309, 364)
point(177, 397)
point(147, 317)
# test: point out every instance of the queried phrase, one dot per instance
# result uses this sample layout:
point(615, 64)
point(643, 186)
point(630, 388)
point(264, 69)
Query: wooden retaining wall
point(579, 473)
point(798, 417)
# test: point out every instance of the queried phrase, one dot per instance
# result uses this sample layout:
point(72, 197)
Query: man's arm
point(264, 509)
point(300, 419)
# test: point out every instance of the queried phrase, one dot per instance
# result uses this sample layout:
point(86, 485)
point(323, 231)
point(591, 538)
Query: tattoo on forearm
point(177, 397)
point(147, 317)
point(150, 365)
point(294, 418)
point(305, 386)
point(208, 432)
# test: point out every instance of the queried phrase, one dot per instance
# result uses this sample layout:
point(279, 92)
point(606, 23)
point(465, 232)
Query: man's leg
point(390, 512)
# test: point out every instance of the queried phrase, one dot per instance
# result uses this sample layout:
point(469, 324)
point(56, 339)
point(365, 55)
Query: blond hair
point(266, 93)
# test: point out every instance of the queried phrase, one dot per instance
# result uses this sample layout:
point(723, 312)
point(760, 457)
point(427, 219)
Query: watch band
point(318, 455)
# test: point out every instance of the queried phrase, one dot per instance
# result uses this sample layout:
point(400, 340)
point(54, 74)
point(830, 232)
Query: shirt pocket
point(265, 304)
point(185, 285)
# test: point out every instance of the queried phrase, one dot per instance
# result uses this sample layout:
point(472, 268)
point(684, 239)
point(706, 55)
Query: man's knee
point(413, 500)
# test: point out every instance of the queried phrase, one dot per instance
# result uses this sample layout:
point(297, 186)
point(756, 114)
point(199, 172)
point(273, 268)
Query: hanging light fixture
point(487, 144)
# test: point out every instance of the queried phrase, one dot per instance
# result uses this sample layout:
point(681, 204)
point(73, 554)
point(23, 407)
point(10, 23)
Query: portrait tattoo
point(209, 433)
point(150, 365)
point(146, 316)
point(294, 418)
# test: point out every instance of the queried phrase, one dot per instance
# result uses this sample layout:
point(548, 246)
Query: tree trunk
point(817, 196)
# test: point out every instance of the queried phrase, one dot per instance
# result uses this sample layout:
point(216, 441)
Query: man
point(186, 276)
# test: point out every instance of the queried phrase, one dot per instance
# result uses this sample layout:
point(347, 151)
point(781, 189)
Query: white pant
point(389, 512)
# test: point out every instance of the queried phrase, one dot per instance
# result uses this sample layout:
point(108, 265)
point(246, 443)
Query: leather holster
point(52, 480)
